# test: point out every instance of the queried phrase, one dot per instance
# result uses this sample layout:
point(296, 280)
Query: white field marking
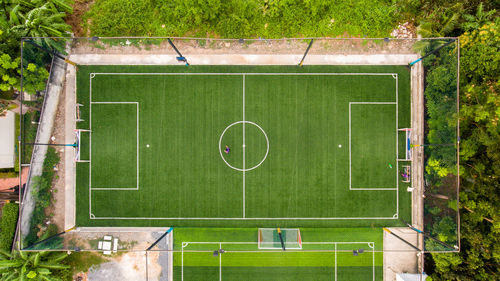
point(335, 261)
point(397, 145)
point(246, 218)
point(79, 138)
point(243, 73)
point(373, 264)
point(220, 263)
point(182, 262)
point(91, 215)
point(137, 148)
point(335, 250)
point(245, 169)
point(90, 146)
point(350, 161)
point(92, 75)
point(244, 145)
point(185, 244)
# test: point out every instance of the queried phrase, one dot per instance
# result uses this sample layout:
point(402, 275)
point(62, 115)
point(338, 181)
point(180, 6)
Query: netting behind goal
point(269, 238)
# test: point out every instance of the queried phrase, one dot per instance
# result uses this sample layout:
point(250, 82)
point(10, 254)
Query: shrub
point(41, 194)
point(240, 18)
point(8, 224)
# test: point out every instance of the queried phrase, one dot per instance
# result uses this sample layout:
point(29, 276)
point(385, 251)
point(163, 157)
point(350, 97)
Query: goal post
point(269, 238)
point(408, 146)
point(78, 137)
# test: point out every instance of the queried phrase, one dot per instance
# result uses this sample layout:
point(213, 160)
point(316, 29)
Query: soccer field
point(313, 147)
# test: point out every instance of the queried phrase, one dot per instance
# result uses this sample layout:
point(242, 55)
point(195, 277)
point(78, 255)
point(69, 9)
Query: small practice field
point(327, 256)
point(316, 146)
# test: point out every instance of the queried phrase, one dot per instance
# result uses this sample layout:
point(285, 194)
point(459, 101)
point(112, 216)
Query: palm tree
point(479, 19)
point(31, 265)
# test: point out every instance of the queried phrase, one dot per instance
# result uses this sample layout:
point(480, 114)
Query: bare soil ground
point(76, 18)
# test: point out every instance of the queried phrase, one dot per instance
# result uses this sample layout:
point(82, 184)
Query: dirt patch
point(80, 7)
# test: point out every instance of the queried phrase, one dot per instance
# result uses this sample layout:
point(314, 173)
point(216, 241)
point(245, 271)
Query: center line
point(244, 145)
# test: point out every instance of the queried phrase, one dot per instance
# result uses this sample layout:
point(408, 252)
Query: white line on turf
point(239, 218)
point(220, 263)
point(335, 250)
point(350, 161)
point(90, 145)
point(335, 261)
point(220, 146)
point(92, 75)
point(244, 145)
point(397, 144)
point(137, 145)
point(246, 73)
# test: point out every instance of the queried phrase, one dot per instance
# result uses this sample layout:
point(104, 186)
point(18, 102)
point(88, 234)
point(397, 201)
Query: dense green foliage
point(240, 18)
point(8, 225)
point(35, 18)
point(42, 195)
point(480, 159)
point(33, 266)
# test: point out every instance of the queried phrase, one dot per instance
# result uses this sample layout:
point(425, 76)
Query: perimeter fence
point(48, 137)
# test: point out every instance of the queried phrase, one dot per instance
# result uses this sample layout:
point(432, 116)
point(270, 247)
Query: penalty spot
point(147, 145)
point(340, 145)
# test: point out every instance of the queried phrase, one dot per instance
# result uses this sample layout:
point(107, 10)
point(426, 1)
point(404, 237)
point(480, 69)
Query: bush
point(240, 18)
point(41, 194)
point(8, 224)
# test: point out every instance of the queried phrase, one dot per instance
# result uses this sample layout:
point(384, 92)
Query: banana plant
point(31, 266)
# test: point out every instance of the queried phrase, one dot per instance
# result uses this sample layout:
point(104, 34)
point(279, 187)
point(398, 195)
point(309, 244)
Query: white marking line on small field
point(220, 263)
point(335, 261)
point(335, 250)
point(397, 144)
point(244, 145)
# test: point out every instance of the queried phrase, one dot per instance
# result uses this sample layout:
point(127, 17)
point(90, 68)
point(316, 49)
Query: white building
point(7, 140)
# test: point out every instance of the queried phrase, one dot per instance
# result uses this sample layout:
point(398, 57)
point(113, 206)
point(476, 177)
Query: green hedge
point(10, 213)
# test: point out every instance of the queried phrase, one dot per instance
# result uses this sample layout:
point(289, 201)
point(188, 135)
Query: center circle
point(244, 145)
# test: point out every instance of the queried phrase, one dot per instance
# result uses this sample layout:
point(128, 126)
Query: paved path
point(54, 89)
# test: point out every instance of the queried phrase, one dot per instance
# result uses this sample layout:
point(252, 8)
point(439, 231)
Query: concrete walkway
point(54, 89)
point(243, 59)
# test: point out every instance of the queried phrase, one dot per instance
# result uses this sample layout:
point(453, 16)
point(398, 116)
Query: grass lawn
point(310, 146)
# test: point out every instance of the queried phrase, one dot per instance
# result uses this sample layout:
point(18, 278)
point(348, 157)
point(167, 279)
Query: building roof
point(7, 140)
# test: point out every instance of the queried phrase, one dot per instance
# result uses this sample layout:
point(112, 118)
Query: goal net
point(269, 238)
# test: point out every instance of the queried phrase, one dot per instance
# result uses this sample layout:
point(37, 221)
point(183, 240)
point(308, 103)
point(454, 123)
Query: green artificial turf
point(195, 261)
point(305, 178)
